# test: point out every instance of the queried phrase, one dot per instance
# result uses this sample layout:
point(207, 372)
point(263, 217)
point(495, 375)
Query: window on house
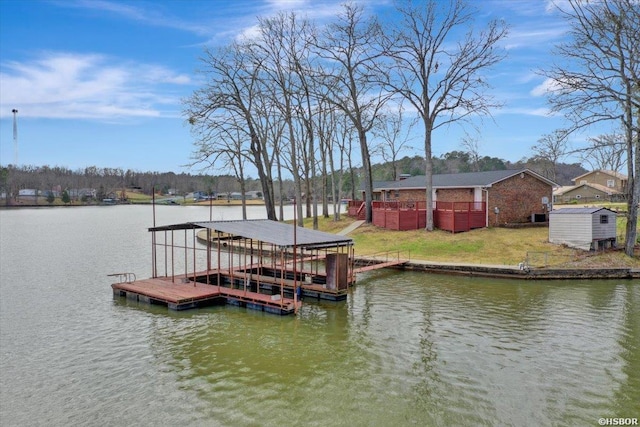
point(604, 219)
point(583, 181)
point(578, 196)
point(611, 183)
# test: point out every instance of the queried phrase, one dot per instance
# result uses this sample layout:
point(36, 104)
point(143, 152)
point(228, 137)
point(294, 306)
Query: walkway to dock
point(378, 261)
point(350, 228)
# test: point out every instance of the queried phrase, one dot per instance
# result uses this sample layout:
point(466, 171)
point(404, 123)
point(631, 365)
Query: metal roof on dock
point(265, 230)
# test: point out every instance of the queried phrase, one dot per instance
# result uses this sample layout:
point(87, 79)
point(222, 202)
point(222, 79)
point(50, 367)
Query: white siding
point(571, 229)
point(604, 231)
point(477, 194)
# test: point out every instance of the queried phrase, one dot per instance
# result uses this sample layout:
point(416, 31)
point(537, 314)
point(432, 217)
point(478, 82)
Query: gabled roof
point(458, 180)
point(606, 190)
point(580, 210)
point(264, 230)
point(561, 190)
point(611, 173)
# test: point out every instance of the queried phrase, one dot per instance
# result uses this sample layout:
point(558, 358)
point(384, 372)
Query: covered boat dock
point(260, 264)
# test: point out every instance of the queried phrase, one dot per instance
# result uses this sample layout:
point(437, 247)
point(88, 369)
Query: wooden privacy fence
point(356, 208)
point(412, 215)
point(460, 216)
point(400, 215)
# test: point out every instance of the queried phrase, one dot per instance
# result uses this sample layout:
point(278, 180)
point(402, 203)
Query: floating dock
point(258, 264)
point(187, 294)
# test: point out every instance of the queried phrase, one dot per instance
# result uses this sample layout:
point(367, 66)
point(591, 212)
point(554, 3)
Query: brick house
point(594, 186)
point(493, 197)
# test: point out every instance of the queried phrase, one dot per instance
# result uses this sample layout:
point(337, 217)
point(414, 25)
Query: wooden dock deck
point(311, 290)
point(189, 294)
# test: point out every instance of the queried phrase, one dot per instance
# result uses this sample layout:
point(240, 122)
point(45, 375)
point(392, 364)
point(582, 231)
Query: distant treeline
point(113, 180)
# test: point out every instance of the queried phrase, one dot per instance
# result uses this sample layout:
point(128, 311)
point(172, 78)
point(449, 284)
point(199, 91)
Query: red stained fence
point(400, 215)
point(356, 209)
point(460, 216)
point(449, 216)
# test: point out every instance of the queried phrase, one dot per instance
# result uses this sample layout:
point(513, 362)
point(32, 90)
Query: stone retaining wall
point(528, 274)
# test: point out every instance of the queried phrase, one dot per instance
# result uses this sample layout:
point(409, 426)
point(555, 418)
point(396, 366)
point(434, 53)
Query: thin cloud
point(537, 112)
point(90, 86)
point(546, 87)
point(149, 16)
point(543, 36)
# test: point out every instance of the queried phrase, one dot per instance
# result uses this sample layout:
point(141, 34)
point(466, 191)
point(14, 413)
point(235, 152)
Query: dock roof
point(268, 231)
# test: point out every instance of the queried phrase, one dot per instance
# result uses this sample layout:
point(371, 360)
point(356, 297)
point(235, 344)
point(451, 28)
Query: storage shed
point(583, 228)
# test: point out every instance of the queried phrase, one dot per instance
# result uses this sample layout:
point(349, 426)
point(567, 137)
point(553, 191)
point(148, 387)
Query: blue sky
point(102, 82)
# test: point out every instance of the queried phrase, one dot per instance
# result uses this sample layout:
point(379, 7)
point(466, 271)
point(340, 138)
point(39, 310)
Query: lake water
point(405, 349)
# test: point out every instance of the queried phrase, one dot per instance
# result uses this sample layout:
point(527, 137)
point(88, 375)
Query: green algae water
point(404, 349)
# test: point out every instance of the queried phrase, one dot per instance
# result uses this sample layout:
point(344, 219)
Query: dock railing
point(381, 259)
point(124, 277)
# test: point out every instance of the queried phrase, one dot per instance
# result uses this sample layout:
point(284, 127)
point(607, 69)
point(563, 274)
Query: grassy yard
point(496, 246)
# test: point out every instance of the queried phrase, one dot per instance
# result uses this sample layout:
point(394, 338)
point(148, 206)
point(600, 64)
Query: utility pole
point(15, 138)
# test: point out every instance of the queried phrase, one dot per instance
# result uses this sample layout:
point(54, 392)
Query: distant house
point(28, 192)
point(255, 195)
point(583, 228)
point(79, 193)
point(586, 193)
point(465, 200)
point(203, 195)
point(595, 186)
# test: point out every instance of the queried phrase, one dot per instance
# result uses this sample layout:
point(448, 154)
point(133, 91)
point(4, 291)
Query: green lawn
point(501, 246)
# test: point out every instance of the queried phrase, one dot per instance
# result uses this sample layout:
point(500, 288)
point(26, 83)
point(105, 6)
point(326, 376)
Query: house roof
point(606, 190)
point(268, 231)
point(579, 210)
point(457, 180)
point(561, 190)
point(611, 173)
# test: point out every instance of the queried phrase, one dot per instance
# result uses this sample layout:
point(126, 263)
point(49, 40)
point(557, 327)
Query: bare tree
point(345, 135)
point(284, 42)
point(395, 137)
point(233, 87)
point(327, 137)
point(224, 148)
point(471, 146)
point(439, 72)
point(605, 152)
point(598, 79)
point(351, 46)
point(551, 148)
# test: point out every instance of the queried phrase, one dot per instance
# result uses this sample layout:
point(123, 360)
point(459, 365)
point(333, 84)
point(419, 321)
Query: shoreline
point(479, 270)
point(509, 272)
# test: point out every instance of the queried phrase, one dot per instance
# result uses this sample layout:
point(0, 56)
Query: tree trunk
point(243, 194)
point(368, 182)
point(428, 171)
point(281, 196)
point(265, 179)
point(633, 183)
